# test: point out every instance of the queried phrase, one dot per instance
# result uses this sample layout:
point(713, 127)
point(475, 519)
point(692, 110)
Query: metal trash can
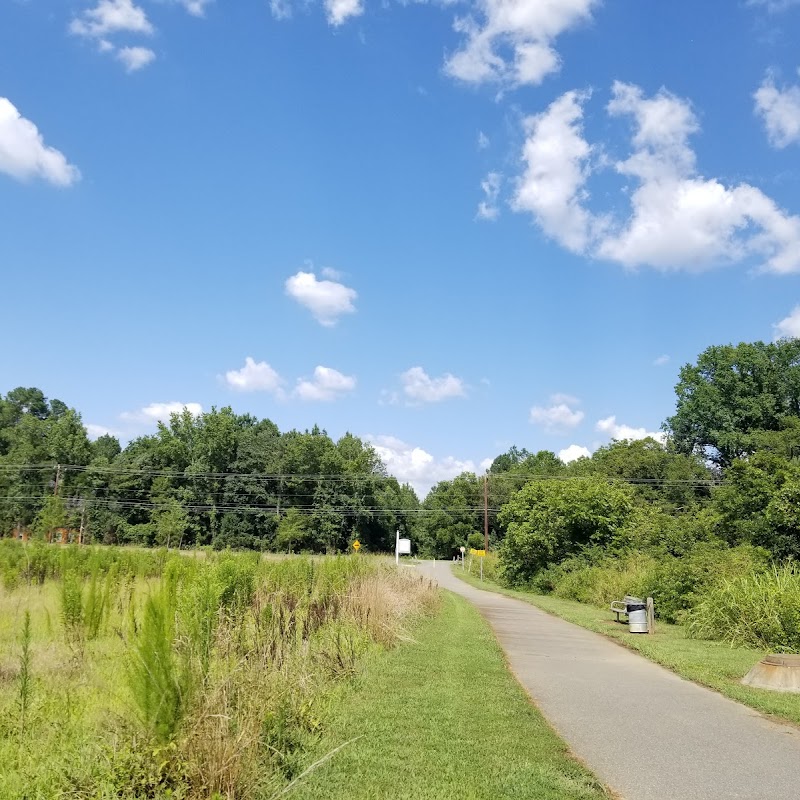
point(637, 615)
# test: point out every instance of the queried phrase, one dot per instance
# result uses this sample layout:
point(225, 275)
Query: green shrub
point(157, 687)
point(759, 609)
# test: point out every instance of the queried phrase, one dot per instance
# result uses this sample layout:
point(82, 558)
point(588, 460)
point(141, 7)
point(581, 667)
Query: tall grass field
point(146, 674)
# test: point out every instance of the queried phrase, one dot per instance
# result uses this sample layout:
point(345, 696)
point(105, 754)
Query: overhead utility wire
point(514, 476)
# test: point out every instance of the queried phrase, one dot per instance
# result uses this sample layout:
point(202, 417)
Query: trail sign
point(356, 545)
point(474, 552)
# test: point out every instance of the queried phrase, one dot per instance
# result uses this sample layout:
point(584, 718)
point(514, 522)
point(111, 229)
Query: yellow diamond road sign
point(356, 545)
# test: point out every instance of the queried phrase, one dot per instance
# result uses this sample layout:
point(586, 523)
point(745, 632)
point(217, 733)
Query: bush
point(760, 609)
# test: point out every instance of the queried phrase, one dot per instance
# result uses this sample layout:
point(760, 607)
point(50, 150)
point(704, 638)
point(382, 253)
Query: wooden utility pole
point(486, 512)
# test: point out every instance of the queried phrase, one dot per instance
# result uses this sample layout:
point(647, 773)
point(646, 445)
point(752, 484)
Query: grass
point(712, 664)
point(442, 717)
point(127, 675)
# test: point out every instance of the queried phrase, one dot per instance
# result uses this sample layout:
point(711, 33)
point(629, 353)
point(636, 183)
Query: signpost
point(401, 547)
point(356, 545)
point(480, 554)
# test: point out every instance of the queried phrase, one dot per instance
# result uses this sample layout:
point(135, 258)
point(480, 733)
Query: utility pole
point(83, 523)
point(486, 512)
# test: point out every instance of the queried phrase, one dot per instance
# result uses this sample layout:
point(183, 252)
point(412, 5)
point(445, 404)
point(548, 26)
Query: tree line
point(728, 471)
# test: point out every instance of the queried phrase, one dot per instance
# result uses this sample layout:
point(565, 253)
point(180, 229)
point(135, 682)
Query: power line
point(343, 478)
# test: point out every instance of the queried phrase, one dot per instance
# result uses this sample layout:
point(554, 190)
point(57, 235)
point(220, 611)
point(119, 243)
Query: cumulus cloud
point(559, 416)
point(487, 208)
point(339, 11)
point(160, 412)
point(779, 108)
point(327, 300)
point(109, 17)
point(556, 158)
point(511, 42)
point(327, 384)
point(410, 464)
point(96, 431)
point(615, 430)
point(23, 153)
point(254, 376)
point(789, 327)
point(661, 360)
point(419, 387)
point(678, 220)
point(573, 453)
point(135, 58)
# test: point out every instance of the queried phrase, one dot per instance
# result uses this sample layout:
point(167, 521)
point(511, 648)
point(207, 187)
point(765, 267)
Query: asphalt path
point(642, 730)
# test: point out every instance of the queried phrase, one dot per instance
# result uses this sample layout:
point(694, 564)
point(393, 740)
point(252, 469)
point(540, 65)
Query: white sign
point(404, 547)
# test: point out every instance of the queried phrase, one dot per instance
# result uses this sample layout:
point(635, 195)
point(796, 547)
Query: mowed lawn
point(443, 718)
point(714, 664)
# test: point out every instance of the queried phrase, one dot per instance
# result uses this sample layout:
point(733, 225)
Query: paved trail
point(645, 732)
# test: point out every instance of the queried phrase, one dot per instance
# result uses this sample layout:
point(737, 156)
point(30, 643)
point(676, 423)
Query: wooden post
point(651, 616)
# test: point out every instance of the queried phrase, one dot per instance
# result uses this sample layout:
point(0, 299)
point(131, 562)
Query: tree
point(454, 510)
point(757, 504)
point(671, 480)
point(732, 392)
point(548, 520)
point(171, 522)
point(52, 515)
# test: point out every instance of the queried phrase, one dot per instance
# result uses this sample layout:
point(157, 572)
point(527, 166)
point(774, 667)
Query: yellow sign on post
point(474, 552)
point(356, 545)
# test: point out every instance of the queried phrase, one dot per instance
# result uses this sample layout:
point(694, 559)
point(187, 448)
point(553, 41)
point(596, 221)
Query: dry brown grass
point(386, 603)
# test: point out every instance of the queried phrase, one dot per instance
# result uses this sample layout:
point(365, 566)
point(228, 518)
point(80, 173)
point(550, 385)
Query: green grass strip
point(712, 664)
point(442, 718)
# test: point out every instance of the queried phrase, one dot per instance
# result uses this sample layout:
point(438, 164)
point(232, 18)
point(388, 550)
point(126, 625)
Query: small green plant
point(72, 612)
point(25, 679)
point(154, 679)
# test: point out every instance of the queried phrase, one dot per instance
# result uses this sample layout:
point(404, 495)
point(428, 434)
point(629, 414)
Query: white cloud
point(160, 412)
point(487, 208)
point(135, 58)
point(23, 153)
point(780, 111)
point(111, 16)
point(678, 220)
point(327, 384)
point(96, 431)
point(774, 6)
point(197, 8)
point(485, 464)
point(573, 453)
point(254, 376)
point(419, 387)
point(790, 326)
point(281, 9)
point(556, 160)
point(559, 416)
point(327, 300)
point(416, 466)
point(616, 430)
point(483, 141)
point(339, 11)
point(661, 360)
point(513, 42)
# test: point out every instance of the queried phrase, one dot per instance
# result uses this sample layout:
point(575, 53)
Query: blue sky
point(450, 227)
